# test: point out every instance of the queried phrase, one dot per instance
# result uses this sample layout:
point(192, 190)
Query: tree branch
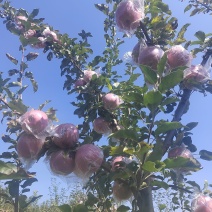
point(181, 108)
point(148, 39)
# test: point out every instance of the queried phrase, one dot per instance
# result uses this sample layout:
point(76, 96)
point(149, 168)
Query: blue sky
point(71, 17)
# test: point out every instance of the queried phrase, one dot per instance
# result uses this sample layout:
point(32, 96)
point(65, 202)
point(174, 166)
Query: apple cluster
point(43, 35)
point(67, 156)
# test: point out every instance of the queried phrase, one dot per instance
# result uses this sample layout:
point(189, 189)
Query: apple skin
point(111, 101)
point(128, 16)
point(66, 135)
point(150, 56)
point(61, 163)
point(88, 159)
point(34, 122)
point(178, 56)
point(179, 152)
point(28, 146)
point(119, 163)
point(88, 74)
point(201, 203)
point(121, 191)
point(101, 126)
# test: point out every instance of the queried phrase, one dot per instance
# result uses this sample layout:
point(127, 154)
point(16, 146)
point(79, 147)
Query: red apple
point(121, 191)
point(128, 15)
point(80, 82)
point(150, 56)
point(88, 74)
point(195, 75)
point(28, 146)
point(88, 159)
point(66, 136)
point(137, 48)
point(201, 203)
point(119, 163)
point(180, 151)
point(101, 126)
point(61, 163)
point(34, 122)
point(111, 101)
point(178, 56)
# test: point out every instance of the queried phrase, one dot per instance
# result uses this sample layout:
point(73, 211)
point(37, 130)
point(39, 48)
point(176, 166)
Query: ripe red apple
point(30, 33)
point(101, 126)
point(40, 44)
point(201, 203)
point(34, 122)
point(88, 74)
point(180, 151)
point(128, 15)
point(111, 101)
point(48, 33)
point(80, 82)
point(66, 136)
point(119, 163)
point(135, 52)
point(88, 159)
point(178, 56)
point(61, 163)
point(28, 146)
point(150, 56)
point(121, 191)
point(195, 75)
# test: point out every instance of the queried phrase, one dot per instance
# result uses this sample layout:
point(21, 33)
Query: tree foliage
point(136, 129)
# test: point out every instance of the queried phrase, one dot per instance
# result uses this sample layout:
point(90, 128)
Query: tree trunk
point(145, 201)
point(16, 205)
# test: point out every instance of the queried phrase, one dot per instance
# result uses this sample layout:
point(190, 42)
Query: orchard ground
point(71, 18)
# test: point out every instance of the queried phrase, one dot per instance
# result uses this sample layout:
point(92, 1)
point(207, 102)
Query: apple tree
point(135, 105)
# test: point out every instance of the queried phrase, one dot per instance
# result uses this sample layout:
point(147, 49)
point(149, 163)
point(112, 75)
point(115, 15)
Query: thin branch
point(181, 108)
point(148, 39)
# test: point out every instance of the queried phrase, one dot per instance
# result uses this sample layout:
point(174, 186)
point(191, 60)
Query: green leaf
point(171, 80)
point(205, 155)
point(189, 164)
point(65, 208)
point(188, 8)
point(152, 99)
point(190, 126)
point(34, 13)
point(31, 56)
point(10, 171)
point(17, 105)
point(169, 100)
point(117, 150)
point(149, 74)
point(161, 65)
point(160, 184)
point(103, 8)
point(164, 127)
point(200, 35)
point(194, 184)
point(123, 208)
point(182, 31)
point(14, 84)
point(44, 104)
point(142, 149)
point(12, 59)
point(157, 152)
point(28, 182)
point(153, 166)
point(80, 208)
point(194, 12)
point(125, 133)
point(22, 89)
